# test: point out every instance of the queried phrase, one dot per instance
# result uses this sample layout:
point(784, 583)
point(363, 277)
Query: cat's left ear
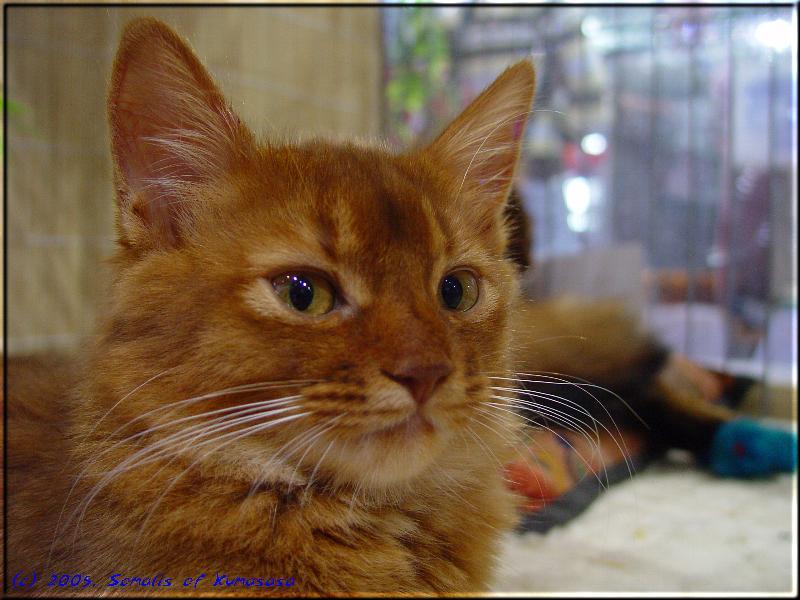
point(481, 147)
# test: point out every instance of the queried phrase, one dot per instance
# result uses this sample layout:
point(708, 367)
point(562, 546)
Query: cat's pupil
point(452, 292)
point(301, 293)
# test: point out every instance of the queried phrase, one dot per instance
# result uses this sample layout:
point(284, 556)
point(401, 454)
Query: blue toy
point(745, 448)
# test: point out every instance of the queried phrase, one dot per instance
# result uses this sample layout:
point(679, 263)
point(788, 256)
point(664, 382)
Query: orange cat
point(291, 378)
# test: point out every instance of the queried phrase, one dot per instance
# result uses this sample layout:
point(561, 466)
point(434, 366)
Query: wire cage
point(659, 165)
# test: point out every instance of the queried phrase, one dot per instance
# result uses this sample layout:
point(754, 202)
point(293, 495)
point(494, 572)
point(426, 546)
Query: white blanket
point(672, 528)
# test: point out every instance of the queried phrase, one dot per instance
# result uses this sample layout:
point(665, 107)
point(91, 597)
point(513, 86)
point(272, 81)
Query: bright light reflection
point(775, 34)
point(578, 222)
point(590, 26)
point(594, 144)
point(577, 195)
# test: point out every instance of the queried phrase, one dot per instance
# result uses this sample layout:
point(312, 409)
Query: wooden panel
point(286, 70)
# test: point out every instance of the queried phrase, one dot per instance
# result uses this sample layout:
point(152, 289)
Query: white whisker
point(125, 397)
point(559, 418)
point(567, 442)
point(237, 436)
point(249, 387)
point(313, 441)
point(140, 458)
point(314, 472)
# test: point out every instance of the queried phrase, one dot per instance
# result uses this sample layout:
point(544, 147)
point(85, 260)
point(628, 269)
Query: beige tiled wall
point(299, 70)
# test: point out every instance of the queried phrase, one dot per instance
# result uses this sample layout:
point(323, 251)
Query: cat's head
point(359, 295)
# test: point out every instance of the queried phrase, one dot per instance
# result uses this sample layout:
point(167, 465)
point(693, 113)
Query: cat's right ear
point(171, 129)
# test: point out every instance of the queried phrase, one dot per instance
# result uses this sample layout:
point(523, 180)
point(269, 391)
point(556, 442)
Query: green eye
point(305, 293)
point(459, 290)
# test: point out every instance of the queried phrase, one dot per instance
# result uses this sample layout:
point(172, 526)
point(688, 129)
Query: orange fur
point(390, 496)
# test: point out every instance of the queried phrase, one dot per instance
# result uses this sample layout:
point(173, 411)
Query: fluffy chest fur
point(438, 534)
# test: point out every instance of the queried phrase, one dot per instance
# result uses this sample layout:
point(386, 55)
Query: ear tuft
point(170, 129)
point(481, 147)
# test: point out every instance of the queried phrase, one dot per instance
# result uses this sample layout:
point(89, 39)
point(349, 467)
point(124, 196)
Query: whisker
point(353, 498)
point(531, 441)
point(560, 418)
point(547, 412)
point(478, 439)
point(619, 439)
point(580, 384)
point(131, 461)
point(249, 387)
point(239, 409)
point(450, 490)
point(87, 467)
point(313, 441)
point(125, 397)
point(291, 442)
point(567, 442)
point(504, 470)
point(219, 424)
point(237, 435)
point(555, 399)
point(314, 472)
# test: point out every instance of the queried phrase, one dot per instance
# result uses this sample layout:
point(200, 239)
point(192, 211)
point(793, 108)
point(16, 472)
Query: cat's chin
point(391, 455)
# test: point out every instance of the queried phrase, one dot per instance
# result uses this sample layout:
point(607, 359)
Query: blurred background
point(659, 168)
point(660, 163)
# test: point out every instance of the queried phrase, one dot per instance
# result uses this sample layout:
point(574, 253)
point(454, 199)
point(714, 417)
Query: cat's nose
point(419, 378)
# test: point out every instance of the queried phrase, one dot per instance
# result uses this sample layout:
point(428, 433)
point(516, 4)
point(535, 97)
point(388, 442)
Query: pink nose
point(420, 379)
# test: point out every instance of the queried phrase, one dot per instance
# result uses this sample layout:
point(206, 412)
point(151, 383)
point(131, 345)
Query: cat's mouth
point(416, 424)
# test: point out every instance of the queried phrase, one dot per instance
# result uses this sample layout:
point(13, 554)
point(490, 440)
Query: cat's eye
point(459, 290)
point(305, 292)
